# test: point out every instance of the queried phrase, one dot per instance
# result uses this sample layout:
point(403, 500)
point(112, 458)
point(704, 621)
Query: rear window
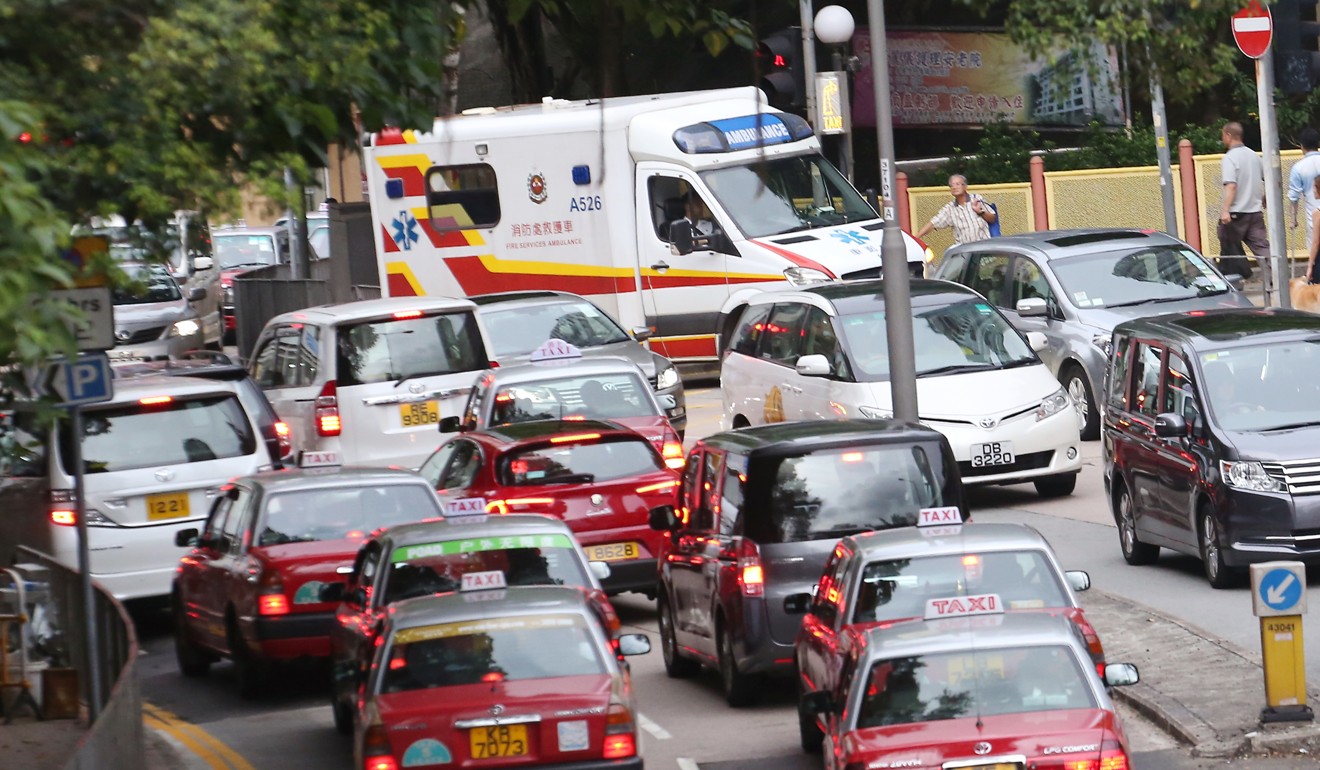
point(340, 512)
point(172, 433)
point(839, 492)
point(398, 348)
point(899, 588)
point(526, 560)
point(579, 463)
point(491, 650)
point(519, 330)
point(597, 397)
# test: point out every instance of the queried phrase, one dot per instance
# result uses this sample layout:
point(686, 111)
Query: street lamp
point(834, 27)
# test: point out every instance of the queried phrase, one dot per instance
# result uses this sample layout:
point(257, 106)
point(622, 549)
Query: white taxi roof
point(372, 308)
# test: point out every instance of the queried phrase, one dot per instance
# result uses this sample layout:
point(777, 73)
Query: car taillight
point(673, 454)
point(376, 748)
point(620, 732)
point(271, 599)
point(662, 486)
point(518, 503)
point(751, 578)
point(61, 508)
point(327, 411)
point(1110, 759)
point(285, 436)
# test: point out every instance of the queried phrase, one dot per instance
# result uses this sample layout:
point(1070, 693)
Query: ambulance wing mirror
point(680, 236)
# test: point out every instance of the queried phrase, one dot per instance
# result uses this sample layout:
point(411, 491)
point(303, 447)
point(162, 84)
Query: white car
point(371, 380)
point(822, 352)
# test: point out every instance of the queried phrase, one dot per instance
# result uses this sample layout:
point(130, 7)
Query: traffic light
point(779, 61)
point(1296, 58)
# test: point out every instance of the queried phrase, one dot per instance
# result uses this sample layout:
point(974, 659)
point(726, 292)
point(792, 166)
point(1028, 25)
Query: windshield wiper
point(953, 368)
point(572, 478)
point(1020, 362)
point(1293, 425)
point(1157, 300)
point(245, 264)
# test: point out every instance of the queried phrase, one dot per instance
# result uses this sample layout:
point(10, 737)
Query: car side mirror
point(196, 294)
point(600, 569)
point(634, 644)
point(680, 237)
point(814, 365)
point(1037, 340)
point(1121, 674)
point(358, 598)
point(450, 424)
point(333, 592)
point(1170, 425)
point(1032, 307)
point(667, 401)
point(797, 604)
point(818, 702)
point(186, 538)
point(1078, 579)
point(640, 333)
point(662, 518)
point(203, 263)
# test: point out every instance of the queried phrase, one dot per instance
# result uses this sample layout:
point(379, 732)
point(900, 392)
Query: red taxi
point(250, 588)
point(598, 477)
point(431, 557)
point(877, 579)
point(511, 677)
point(976, 688)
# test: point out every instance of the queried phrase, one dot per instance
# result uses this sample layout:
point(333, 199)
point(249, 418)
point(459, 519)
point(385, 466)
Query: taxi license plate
point(992, 453)
point(612, 552)
point(498, 741)
point(171, 506)
point(994, 766)
point(420, 413)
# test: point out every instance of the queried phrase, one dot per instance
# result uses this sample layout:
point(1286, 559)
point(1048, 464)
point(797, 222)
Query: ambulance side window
point(467, 197)
point(666, 203)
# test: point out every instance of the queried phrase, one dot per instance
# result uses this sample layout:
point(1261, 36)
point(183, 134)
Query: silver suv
point(1075, 286)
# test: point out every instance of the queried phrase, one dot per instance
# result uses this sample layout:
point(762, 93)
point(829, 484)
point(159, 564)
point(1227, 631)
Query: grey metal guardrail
point(115, 740)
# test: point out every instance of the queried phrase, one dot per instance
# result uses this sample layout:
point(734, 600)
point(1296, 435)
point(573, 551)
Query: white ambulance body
point(580, 197)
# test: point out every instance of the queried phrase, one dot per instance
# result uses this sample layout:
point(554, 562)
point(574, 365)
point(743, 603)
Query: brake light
point(284, 435)
point(620, 746)
point(376, 748)
point(673, 454)
point(751, 578)
point(620, 732)
point(663, 486)
point(155, 400)
point(852, 457)
point(61, 508)
point(381, 763)
point(574, 437)
point(63, 518)
point(404, 315)
point(327, 411)
point(273, 604)
point(971, 560)
point(504, 506)
point(1109, 760)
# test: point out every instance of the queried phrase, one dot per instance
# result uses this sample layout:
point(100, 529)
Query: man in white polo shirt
point(968, 214)
point(1241, 218)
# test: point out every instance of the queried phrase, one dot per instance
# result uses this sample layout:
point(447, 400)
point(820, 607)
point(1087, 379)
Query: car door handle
point(660, 267)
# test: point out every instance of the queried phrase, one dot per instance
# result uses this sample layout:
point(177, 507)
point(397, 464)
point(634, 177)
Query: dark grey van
point(759, 512)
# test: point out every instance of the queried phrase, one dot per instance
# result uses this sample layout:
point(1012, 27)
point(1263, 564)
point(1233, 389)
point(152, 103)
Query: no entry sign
point(1253, 29)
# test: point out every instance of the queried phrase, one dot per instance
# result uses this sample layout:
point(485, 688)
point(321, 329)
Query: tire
point(740, 422)
point(1217, 573)
point(1134, 551)
point(193, 661)
point(808, 728)
point(343, 716)
point(250, 673)
point(1061, 485)
point(676, 666)
point(739, 689)
point(1074, 380)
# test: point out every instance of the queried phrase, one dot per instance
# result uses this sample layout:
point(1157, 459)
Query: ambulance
point(668, 211)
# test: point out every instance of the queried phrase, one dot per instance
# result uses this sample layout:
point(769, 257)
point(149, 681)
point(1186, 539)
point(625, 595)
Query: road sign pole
point(1278, 598)
point(1269, 147)
point(85, 569)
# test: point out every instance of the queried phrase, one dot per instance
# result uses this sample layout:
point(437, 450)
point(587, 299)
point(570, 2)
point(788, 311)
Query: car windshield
point(959, 337)
point(898, 588)
point(399, 348)
point(596, 397)
point(151, 284)
point(424, 569)
point(1137, 277)
point(980, 683)
point(773, 196)
point(582, 462)
point(490, 650)
point(245, 250)
point(1261, 387)
point(171, 432)
point(832, 493)
point(332, 513)
point(519, 330)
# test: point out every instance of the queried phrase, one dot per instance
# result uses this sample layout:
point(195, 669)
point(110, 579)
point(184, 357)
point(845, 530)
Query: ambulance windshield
point(787, 194)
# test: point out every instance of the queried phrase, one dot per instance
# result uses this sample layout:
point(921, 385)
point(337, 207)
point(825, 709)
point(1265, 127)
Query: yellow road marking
point(206, 746)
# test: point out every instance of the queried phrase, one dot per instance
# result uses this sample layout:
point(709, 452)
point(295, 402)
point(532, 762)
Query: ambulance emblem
point(536, 187)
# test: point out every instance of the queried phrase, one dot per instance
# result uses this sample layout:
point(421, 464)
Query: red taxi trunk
point(289, 590)
point(1050, 740)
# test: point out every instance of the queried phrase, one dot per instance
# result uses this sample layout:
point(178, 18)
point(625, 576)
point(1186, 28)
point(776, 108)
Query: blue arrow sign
point(1280, 589)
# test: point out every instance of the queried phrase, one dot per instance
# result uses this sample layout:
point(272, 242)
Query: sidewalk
point(1205, 692)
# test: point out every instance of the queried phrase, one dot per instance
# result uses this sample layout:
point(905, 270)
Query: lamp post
point(834, 26)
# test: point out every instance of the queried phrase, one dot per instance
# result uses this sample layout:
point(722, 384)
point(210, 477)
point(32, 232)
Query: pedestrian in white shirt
point(968, 214)
point(1301, 181)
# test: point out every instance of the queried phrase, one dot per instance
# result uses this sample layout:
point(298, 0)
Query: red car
point(879, 579)
point(598, 477)
point(250, 589)
point(516, 677)
point(972, 686)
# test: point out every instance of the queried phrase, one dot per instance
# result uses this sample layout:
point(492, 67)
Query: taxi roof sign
point(309, 459)
point(555, 350)
point(466, 509)
point(964, 606)
point(483, 581)
point(949, 515)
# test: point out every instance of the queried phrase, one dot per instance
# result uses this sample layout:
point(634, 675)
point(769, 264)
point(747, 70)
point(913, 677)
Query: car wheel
point(1219, 574)
point(740, 422)
point(1057, 486)
point(343, 715)
point(1074, 381)
point(248, 671)
point(676, 666)
point(1135, 552)
point(193, 660)
point(739, 689)
point(808, 727)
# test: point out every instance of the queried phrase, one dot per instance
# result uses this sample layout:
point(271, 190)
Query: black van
point(1212, 437)
point(760, 511)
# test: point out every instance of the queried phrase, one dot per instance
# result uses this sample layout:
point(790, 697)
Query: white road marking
point(687, 763)
point(656, 731)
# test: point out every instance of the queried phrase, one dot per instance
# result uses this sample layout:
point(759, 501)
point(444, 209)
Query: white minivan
point(154, 459)
point(372, 379)
point(822, 353)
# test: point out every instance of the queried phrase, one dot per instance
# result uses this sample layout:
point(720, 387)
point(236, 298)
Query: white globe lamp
point(834, 25)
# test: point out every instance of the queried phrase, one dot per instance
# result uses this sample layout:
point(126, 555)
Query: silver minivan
point(371, 380)
point(155, 319)
point(154, 458)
